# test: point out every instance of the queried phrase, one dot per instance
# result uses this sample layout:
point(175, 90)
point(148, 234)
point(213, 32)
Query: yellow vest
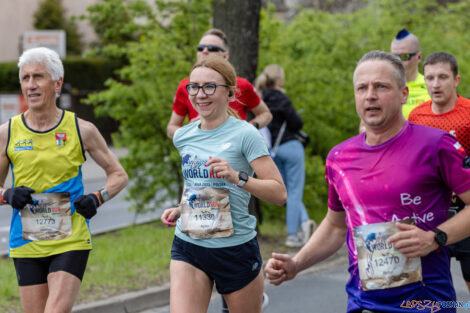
point(47, 162)
point(418, 94)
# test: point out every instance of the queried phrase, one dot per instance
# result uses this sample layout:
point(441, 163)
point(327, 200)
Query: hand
point(18, 197)
point(412, 241)
point(87, 205)
point(280, 267)
point(170, 216)
point(221, 168)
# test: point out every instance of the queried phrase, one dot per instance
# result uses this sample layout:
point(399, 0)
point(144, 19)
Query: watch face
point(441, 238)
point(243, 176)
point(104, 194)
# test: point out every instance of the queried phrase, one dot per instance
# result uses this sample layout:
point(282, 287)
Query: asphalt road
point(322, 291)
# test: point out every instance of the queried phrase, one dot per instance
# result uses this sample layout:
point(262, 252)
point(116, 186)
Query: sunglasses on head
point(210, 48)
point(405, 56)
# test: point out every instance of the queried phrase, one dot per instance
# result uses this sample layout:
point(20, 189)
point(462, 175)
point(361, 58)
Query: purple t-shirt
point(411, 175)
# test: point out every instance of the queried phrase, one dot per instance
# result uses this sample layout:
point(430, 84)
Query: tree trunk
point(240, 21)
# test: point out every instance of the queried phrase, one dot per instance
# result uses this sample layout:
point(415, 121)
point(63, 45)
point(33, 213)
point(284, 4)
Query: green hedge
point(82, 73)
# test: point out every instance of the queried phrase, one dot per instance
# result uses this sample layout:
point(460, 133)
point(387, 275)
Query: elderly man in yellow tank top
point(45, 148)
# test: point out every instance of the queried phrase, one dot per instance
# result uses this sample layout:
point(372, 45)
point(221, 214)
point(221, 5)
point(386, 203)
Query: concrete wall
point(16, 16)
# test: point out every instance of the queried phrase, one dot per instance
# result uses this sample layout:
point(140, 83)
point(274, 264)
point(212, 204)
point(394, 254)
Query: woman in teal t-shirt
point(215, 237)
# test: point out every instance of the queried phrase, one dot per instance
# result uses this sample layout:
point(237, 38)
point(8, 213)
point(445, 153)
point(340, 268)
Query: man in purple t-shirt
point(395, 170)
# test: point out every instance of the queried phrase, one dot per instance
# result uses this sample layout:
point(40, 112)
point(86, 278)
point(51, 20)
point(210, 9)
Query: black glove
point(87, 205)
point(18, 197)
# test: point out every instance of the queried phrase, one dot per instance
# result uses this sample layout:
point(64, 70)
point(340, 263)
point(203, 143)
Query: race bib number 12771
point(48, 218)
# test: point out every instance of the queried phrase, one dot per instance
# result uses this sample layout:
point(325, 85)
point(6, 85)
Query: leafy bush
point(141, 99)
point(81, 73)
point(51, 15)
point(319, 51)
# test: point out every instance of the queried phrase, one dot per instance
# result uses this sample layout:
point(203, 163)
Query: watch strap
point(440, 237)
point(98, 195)
point(242, 179)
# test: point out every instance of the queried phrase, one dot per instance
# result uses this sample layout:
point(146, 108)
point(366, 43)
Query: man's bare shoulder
point(89, 133)
point(86, 128)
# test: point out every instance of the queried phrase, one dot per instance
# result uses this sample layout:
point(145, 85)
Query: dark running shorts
point(231, 268)
point(461, 250)
point(34, 271)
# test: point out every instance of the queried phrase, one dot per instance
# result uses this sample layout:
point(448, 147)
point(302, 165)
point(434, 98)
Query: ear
point(457, 81)
point(404, 94)
point(58, 84)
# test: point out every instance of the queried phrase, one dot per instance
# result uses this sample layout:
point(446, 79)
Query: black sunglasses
point(210, 48)
point(405, 56)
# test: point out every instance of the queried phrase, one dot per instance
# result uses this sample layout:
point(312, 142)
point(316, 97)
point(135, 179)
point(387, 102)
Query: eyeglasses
point(208, 89)
point(210, 48)
point(405, 56)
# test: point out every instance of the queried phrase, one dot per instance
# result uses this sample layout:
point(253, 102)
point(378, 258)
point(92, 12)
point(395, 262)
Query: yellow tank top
point(47, 162)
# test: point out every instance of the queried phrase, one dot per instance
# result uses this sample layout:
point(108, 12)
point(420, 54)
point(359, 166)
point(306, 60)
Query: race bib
point(48, 218)
point(205, 213)
point(380, 265)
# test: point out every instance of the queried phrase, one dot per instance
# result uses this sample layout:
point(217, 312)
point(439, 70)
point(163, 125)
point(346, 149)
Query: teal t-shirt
point(239, 143)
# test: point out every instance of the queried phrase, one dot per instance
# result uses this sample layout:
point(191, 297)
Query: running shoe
point(294, 241)
point(265, 301)
point(308, 227)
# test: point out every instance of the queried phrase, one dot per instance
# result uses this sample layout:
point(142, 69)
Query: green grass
point(129, 259)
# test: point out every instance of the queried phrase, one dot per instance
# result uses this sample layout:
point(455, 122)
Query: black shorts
point(231, 268)
point(34, 271)
point(461, 251)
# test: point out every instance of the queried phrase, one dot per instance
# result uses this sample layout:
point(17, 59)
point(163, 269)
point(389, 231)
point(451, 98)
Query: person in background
point(405, 45)
point(450, 112)
point(214, 43)
point(288, 151)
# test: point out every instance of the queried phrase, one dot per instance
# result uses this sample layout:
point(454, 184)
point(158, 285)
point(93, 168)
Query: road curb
point(154, 297)
point(131, 302)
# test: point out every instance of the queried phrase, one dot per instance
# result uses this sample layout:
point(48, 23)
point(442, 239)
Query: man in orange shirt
point(214, 42)
point(450, 112)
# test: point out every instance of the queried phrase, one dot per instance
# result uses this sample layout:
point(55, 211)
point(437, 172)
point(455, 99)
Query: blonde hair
point(224, 68)
point(269, 77)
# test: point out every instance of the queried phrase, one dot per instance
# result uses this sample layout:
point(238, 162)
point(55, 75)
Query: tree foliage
point(160, 51)
point(51, 15)
point(319, 51)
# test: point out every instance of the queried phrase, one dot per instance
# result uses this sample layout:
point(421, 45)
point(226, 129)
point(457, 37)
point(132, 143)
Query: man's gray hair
point(377, 55)
point(45, 56)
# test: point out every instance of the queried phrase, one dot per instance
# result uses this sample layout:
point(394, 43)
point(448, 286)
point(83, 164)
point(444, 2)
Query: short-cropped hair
point(377, 55)
point(45, 56)
point(442, 57)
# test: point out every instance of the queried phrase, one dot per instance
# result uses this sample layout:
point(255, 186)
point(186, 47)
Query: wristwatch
point(242, 179)
point(440, 237)
point(104, 194)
